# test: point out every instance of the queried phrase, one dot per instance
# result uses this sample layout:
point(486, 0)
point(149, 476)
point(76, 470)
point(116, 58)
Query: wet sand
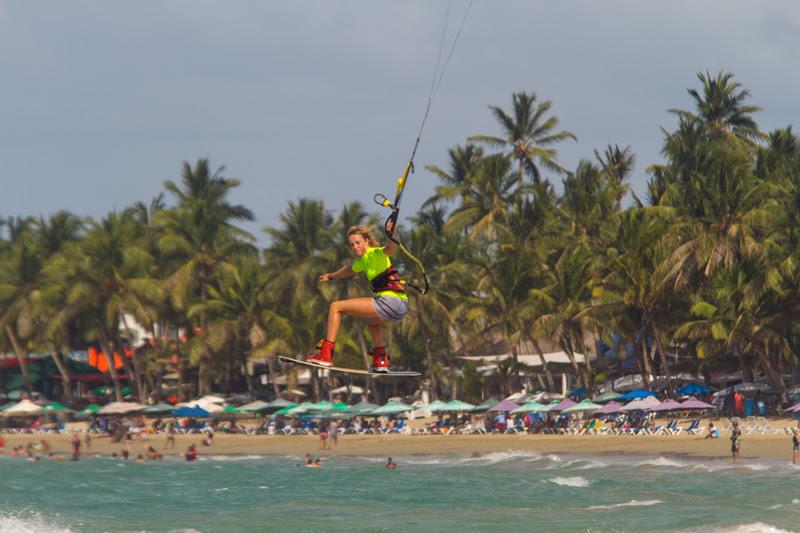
point(753, 446)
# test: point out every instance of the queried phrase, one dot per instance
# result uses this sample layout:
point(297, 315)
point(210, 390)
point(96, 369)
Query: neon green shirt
point(372, 263)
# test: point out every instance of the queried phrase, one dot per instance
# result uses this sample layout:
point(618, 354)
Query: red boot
point(380, 360)
point(324, 357)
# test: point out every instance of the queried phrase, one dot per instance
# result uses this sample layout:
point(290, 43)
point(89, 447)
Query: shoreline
point(694, 447)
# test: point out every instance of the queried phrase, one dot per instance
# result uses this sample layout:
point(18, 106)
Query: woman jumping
point(388, 304)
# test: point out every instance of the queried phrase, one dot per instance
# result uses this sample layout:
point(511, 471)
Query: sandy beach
point(753, 447)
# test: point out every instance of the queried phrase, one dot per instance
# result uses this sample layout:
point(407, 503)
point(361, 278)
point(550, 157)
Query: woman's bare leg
point(358, 307)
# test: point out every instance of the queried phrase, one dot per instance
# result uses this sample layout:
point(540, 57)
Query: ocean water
point(503, 491)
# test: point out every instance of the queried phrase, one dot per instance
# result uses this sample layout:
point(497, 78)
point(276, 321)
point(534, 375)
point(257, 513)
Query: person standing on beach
point(388, 304)
point(333, 433)
point(795, 446)
point(736, 441)
point(76, 447)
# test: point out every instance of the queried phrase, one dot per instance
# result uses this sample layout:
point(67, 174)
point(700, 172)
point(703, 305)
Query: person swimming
point(391, 465)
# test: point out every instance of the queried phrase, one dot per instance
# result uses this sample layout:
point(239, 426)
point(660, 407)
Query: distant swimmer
point(308, 460)
point(391, 465)
point(316, 464)
point(191, 453)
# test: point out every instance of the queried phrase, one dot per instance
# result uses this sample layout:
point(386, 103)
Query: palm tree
point(528, 135)
point(721, 106)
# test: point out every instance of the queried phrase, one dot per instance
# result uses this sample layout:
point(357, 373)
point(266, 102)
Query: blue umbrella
point(692, 388)
point(638, 393)
point(194, 412)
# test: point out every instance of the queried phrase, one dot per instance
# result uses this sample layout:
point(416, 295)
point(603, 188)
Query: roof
point(530, 360)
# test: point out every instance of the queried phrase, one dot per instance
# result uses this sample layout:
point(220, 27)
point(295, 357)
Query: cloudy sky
point(102, 101)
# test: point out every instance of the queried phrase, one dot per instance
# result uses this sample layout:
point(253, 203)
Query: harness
point(388, 280)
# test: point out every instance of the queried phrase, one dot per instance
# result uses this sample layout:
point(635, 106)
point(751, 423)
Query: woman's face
point(358, 245)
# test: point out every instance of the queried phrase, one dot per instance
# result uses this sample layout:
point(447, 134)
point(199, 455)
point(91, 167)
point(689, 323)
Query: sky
point(102, 101)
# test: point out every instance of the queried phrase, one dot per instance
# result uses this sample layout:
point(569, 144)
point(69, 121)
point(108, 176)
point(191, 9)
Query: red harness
point(388, 280)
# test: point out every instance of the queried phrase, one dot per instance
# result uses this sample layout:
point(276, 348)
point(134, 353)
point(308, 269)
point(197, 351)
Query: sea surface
point(503, 491)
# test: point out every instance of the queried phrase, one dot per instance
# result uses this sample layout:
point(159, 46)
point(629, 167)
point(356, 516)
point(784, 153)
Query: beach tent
point(120, 408)
point(562, 405)
point(529, 407)
point(694, 403)
point(640, 404)
point(456, 406)
point(391, 408)
point(691, 389)
point(585, 405)
point(638, 393)
point(609, 408)
point(192, 412)
point(607, 397)
point(666, 405)
point(160, 408)
point(503, 407)
point(23, 408)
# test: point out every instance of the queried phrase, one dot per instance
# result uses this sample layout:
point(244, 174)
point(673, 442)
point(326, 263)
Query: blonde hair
point(365, 233)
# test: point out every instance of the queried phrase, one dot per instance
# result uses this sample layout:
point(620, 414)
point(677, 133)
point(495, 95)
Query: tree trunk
point(664, 361)
point(109, 355)
point(774, 378)
point(646, 372)
point(62, 369)
point(548, 375)
point(571, 356)
point(21, 357)
point(426, 343)
point(272, 376)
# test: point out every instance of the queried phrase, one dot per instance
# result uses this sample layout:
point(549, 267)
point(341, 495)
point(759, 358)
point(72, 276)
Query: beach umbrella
point(435, 406)
point(120, 408)
point(340, 407)
point(566, 403)
point(192, 412)
point(456, 406)
point(255, 407)
point(691, 389)
point(90, 410)
point(161, 408)
point(321, 406)
point(484, 405)
point(22, 408)
point(503, 407)
point(6, 406)
point(529, 407)
point(55, 407)
point(694, 403)
point(210, 398)
point(391, 408)
point(666, 405)
point(607, 397)
point(229, 411)
point(609, 408)
point(638, 393)
point(640, 404)
point(280, 403)
point(585, 405)
point(362, 407)
point(285, 410)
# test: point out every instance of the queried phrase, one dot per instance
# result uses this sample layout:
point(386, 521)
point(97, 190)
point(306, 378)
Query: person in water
point(191, 453)
point(736, 441)
point(388, 304)
point(795, 446)
point(391, 465)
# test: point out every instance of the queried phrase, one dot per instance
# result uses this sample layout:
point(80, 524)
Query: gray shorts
point(390, 308)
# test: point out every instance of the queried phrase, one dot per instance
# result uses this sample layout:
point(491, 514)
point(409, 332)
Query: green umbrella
point(89, 411)
point(530, 407)
point(456, 406)
point(607, 397)
point(362, 407)
point(340, 407)
point(285, 410)
point(585, 405)
point(485, 405)
point(435, 406)
point(230, 411)
point(256, 407)
point(280, 403)
point(56, 407)
point(391, 408)
point(321, 406)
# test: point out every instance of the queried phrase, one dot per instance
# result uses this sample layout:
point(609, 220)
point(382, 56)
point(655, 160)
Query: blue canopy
point(580, 392)
point(194, 412)
point(638, 393)
point(692, 388)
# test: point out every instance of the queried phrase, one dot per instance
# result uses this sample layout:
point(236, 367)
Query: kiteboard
point(391, 373)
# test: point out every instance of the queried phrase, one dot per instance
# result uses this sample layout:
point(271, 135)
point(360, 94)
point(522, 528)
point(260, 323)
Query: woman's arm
point(391, 246)
point(344, 272)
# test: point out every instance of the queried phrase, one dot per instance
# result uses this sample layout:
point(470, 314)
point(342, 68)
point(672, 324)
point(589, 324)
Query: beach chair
point(764, 426)
point(693, 428)
point(746, 428)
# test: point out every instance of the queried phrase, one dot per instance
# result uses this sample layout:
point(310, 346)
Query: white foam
point(29, 524)
point(575, 481)
point(662, 461)
point(632, 503)
point(754, 527)
point(231, 458)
